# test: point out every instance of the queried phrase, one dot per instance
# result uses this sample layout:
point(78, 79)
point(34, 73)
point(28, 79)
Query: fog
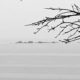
point(34, 61)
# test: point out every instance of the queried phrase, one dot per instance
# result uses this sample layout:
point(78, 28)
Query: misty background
point(57, 61)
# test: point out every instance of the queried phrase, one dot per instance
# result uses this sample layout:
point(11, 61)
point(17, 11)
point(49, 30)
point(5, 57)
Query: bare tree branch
point(64, 13)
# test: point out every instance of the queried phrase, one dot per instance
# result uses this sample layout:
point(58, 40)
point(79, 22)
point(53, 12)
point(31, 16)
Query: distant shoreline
point(31, 42)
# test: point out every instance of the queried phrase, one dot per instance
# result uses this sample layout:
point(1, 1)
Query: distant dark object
point(42, 42)
point(19, 42)
point(21, 0)
point(31, 42)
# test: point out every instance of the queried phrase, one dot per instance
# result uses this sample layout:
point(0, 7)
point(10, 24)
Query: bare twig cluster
point(62, 15)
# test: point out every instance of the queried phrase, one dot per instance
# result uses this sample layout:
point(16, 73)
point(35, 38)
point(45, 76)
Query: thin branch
point(70, 40)
point(60, 32)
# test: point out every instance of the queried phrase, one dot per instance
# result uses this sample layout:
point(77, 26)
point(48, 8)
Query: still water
point(32, 61)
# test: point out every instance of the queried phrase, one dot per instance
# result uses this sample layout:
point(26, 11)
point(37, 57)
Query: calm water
point(57, 61)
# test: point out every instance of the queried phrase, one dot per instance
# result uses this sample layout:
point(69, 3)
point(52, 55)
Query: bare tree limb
point(61, 16)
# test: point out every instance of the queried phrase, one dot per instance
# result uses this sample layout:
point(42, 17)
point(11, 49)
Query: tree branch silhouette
point(62, 15)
